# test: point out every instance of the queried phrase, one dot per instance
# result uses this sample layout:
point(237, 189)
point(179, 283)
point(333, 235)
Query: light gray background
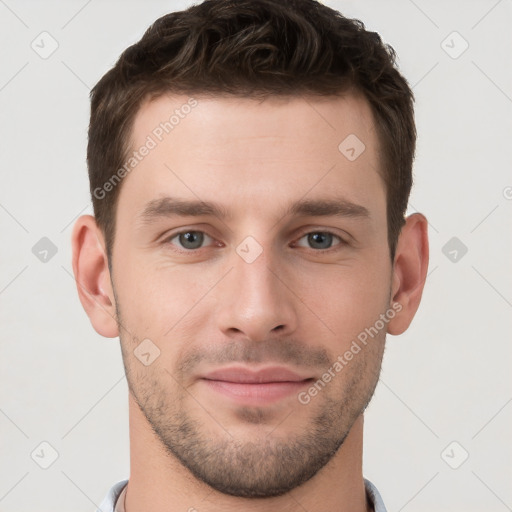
point(447, 379)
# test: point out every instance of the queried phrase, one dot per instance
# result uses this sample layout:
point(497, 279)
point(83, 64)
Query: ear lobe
point(409, 271)
point(92, 276)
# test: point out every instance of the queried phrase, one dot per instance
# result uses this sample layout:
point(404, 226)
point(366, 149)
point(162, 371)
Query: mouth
point(267, 385)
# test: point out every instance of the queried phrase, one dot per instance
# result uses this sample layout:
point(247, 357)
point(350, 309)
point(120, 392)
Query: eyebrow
point(170, 207)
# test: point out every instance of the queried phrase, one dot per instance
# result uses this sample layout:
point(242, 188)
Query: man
point(250, 165)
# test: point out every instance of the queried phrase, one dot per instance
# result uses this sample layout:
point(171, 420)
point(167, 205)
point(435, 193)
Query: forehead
point(248, 150)
point(227, 118)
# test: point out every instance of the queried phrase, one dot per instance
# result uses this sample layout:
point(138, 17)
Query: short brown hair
point(253, 48)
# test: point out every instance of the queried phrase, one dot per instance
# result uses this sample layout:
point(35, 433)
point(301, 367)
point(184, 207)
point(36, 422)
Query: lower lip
point(257, 393)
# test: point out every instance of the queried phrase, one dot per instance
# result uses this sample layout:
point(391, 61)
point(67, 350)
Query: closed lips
point(243, 375)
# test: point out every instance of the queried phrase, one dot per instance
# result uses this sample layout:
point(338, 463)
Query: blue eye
point(190, 240)
point(321, 240)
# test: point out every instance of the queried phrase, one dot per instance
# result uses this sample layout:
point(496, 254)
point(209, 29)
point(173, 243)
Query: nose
point(256, 300)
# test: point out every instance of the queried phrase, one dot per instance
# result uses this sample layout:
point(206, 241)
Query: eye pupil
point(193, 240)
point(323, 239)
point(191, 237)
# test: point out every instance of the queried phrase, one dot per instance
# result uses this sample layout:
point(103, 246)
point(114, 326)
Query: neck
point(160, 483)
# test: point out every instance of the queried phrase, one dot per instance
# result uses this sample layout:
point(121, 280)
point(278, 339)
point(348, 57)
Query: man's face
point(265, 287)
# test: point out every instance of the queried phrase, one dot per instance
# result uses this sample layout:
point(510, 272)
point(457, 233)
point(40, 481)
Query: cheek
point(158, 297)
point(347, 299)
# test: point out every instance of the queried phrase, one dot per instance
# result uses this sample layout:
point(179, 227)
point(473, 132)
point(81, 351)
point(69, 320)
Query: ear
point(409, 271)
point(92, 276)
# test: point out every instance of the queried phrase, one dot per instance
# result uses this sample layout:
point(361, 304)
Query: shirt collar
point(116, 496)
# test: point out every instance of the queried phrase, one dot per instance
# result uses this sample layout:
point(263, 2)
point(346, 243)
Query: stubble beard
point(253, 467)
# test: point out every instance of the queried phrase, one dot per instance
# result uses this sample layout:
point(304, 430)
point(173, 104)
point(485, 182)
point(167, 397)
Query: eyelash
point(341, 243)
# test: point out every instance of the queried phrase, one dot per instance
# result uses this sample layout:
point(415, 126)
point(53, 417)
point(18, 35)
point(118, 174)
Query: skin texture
point(294, 305)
